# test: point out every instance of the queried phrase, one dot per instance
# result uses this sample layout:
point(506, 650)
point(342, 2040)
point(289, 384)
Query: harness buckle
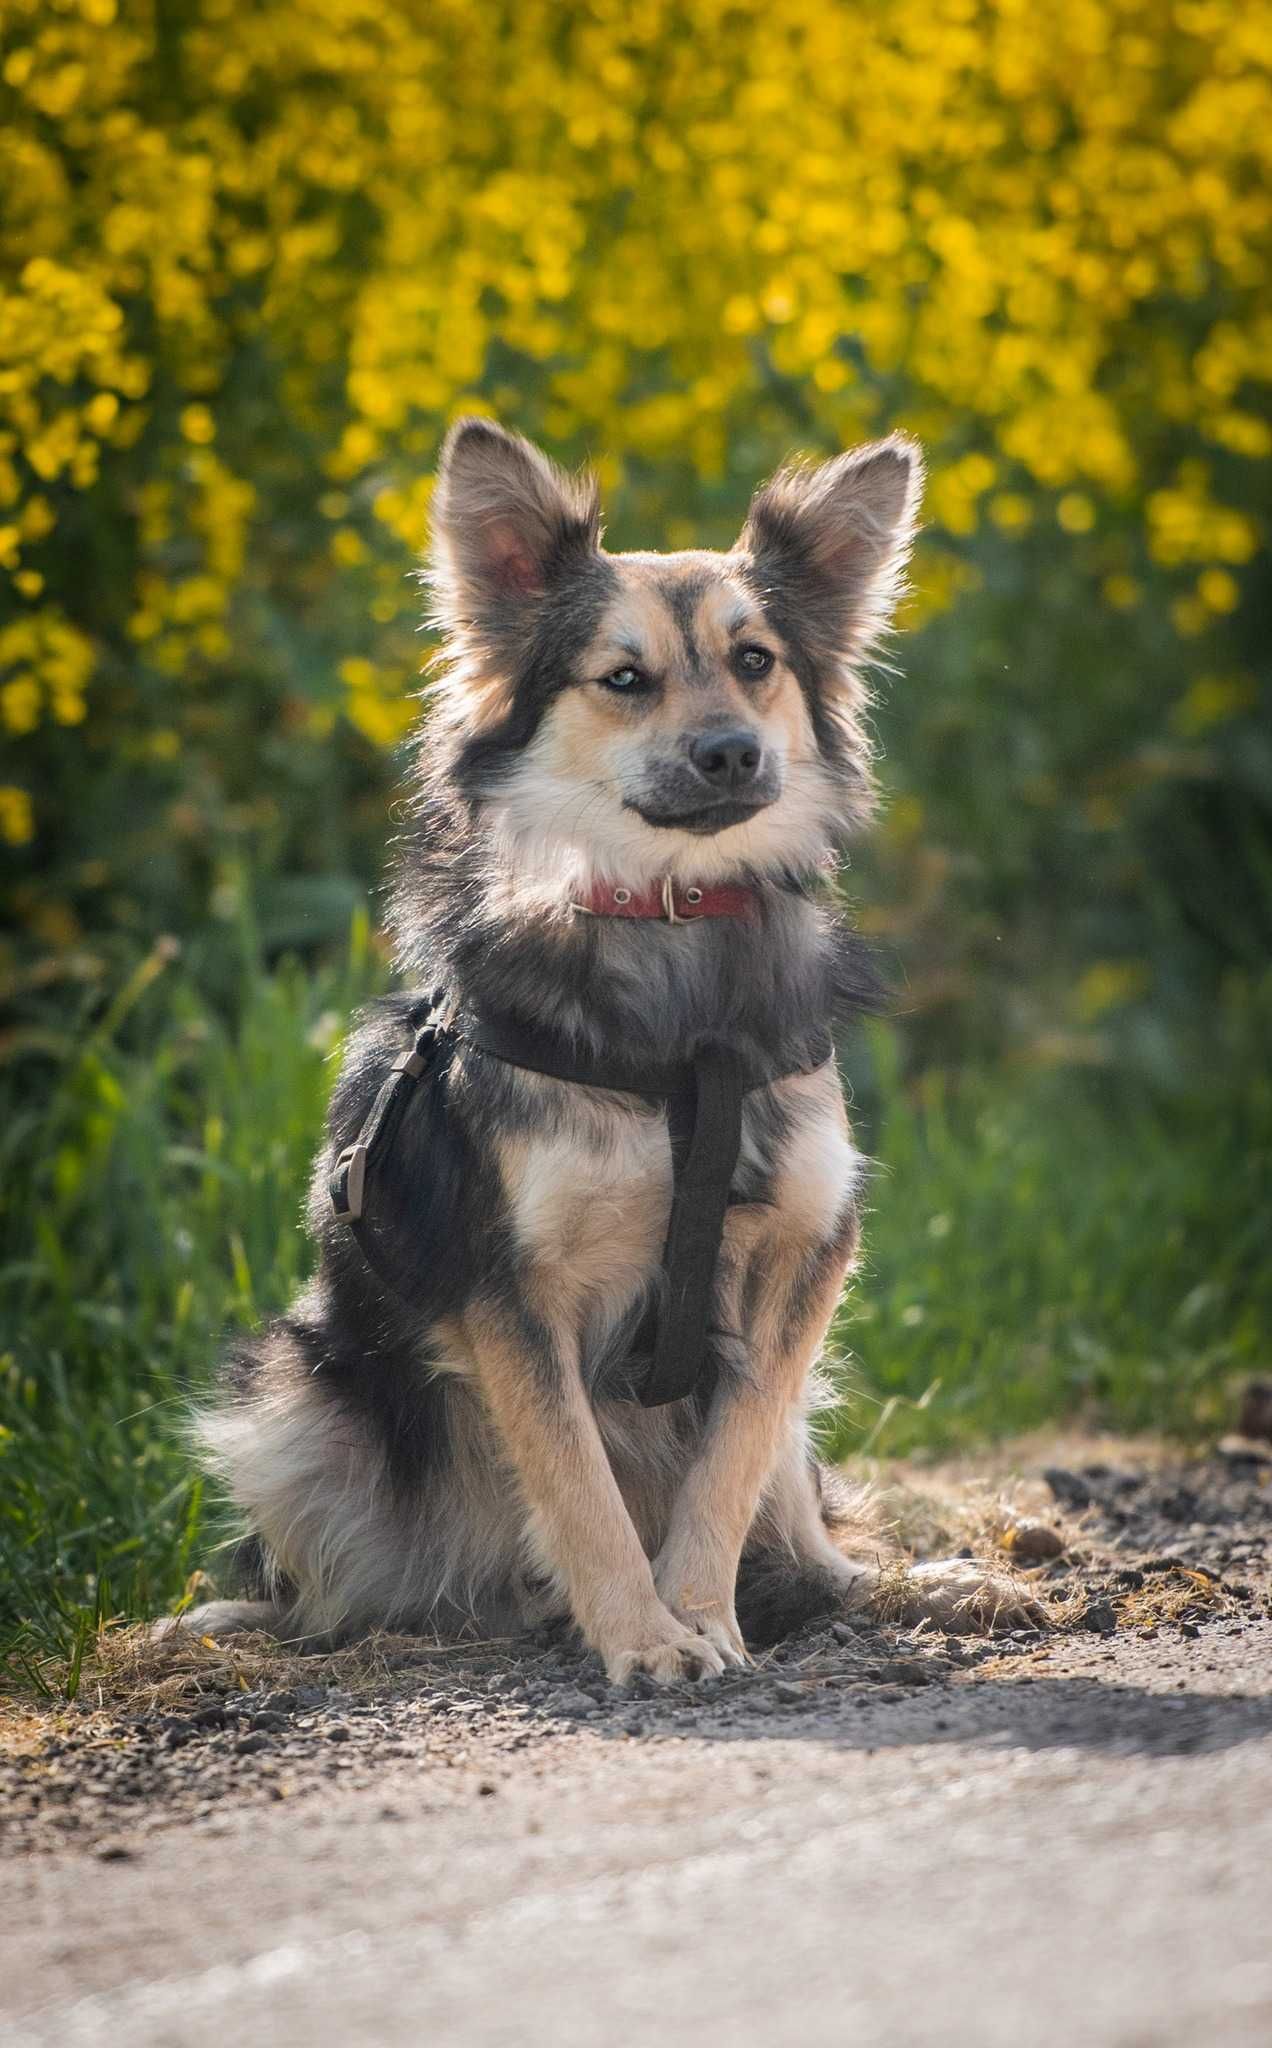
point(418, 1060)
point(348, 1183)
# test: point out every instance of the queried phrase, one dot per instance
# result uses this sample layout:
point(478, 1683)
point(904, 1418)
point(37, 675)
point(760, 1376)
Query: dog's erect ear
point(507, 525)
point(830, 540)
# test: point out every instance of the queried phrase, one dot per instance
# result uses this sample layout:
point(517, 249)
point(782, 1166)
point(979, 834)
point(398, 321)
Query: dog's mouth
point(705, 819)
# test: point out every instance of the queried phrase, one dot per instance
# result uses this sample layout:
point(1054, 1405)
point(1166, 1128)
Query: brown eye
point(625, 680)
point(753, 661)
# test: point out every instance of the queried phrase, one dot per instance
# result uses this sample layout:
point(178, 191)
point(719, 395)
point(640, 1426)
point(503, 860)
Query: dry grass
point(1182, 1593)
point(933, 1506)
point(983, 1516)
point(138, 1670)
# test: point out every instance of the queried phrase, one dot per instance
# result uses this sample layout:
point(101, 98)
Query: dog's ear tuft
point(507, 525)
point(834, 537)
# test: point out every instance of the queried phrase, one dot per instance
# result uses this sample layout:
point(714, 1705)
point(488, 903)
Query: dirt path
point(892, 1838)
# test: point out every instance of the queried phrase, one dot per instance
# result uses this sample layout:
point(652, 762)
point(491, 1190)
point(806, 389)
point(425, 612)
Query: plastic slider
point(348, 1183)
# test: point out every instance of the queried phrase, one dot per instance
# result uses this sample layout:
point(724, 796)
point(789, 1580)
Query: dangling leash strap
point(703, 1098)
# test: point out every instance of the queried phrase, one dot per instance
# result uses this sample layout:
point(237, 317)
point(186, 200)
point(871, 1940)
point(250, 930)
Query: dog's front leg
point(748, 1430)
point(529, 1378)
point(696, 1570)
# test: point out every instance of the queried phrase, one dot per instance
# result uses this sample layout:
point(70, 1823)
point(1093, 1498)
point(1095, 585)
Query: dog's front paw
point(717, 1626)
point(968, 1597)
point(666, 1652)
point(687, 1592)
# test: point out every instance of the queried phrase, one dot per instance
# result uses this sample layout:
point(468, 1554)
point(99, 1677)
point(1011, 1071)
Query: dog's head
point(632, 716)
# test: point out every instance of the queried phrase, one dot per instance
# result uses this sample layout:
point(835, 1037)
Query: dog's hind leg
point(793, 1570)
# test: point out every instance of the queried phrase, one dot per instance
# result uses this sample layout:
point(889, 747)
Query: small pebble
point(1033, 1542)
point(1068, 1487)
point(908, 1671)
point(848, 1631)
point(578, 1705)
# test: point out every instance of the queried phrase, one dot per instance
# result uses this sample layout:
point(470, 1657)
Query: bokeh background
point(252, 259)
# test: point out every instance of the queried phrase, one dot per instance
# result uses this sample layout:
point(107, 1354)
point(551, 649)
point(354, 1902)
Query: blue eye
point(624, 680)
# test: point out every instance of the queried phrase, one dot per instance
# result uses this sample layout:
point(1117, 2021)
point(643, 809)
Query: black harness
point(703, 1099)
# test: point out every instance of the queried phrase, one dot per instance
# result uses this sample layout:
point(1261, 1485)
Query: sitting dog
point(594, 1189)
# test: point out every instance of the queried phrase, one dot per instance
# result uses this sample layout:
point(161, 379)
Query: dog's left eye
point(624, 680)
point(753, 661)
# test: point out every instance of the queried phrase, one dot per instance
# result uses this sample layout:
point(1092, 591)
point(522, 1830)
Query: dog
point(634, 775)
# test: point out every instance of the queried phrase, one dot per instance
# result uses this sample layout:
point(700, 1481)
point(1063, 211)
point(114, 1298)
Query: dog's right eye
point(625, 680)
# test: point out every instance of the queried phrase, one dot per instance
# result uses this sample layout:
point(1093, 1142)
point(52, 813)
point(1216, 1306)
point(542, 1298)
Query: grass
point(153, 1180)
point(1037, 1246)
point(1052, 1245)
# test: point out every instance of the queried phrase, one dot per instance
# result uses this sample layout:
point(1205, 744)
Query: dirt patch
point(189, 1733)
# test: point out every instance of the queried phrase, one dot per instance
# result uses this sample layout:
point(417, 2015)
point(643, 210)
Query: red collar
point(675, 902)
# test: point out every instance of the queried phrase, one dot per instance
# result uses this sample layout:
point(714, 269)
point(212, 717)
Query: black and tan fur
point(464, 1459)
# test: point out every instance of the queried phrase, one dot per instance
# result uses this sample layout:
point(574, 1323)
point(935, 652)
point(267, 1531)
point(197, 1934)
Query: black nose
point(727, 760)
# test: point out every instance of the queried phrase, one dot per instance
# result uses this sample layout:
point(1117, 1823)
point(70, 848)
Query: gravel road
point(889, 1837)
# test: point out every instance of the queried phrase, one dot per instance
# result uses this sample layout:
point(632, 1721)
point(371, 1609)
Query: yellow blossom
point(17, 817)
point(1038, 235)
point(1218, 590)
point(197, 424)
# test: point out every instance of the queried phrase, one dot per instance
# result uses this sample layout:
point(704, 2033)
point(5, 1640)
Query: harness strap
point(695, 1232)
point(704, 1111)
point(525, 1045)
point(347, 1186)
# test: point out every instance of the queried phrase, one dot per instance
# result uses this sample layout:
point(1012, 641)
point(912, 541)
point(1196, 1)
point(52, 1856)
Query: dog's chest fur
point(589, 1192)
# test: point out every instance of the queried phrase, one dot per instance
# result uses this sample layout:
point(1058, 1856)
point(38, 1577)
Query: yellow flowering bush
point(252, 256)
